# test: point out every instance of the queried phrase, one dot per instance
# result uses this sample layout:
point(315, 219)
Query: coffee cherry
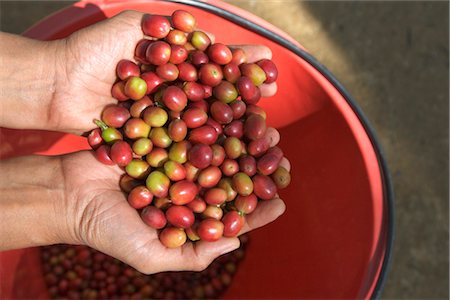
point(205, 135)
point(135, 88)
point(198, 57)
point(182, 192)
point(232, 224)
point(215, 196)
point(103, 155)
point(254, 127)
point(281, 177)
point(158, 53)
point(210, 230)
point(178, 54)
point(180, 216)
point(152, 80)
point(183, 21)
point(242, 184)
point(121, 153)
point(174, 98)
point(194, 91)
point(246, 204)
point(172, 237)
point(220, 54)
point(115, 116)
point(168, 72)
point(155, 116)
point(212, 212)
point(141, 49)
point(270, 69)
point(136, 128)
point(254, 72)
point(225, 92)
point(247, 165)
point(221, 112)
point(234, 129)
point(264, 187)
point(231, 72)
point(176, 37)
point(210, 74)
point(126, 69)
point(95, 138)
point(137, 168)
point(155, 26)
point(218, 155)
point(177, 130)
point(158, 184)
point(139, 106)
point(238, 107)
point(179, 151)
point(200, 40)
point(209, 177)
point(191, 171)
point(233, 147)
point(194, 117)
point(270, 161)
point(249, 92)
point(140, 197)
point(200, 155)
point(174, 170)
point(157, 157)
point(118, 91)
point(187, 72)
point(238, 56)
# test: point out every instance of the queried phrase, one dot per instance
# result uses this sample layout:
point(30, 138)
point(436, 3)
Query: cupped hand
point(98, 215)
point(86, 70)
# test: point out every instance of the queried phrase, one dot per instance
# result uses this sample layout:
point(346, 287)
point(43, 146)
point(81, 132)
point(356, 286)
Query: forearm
point(31, 190)
point(27, 81)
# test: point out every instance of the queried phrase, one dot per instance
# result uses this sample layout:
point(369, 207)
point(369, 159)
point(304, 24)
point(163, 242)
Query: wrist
point(27, 81)
point(32, 206)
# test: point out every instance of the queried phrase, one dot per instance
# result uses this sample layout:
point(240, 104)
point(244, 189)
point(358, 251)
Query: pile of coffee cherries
point(80, 272)
point(187, 131)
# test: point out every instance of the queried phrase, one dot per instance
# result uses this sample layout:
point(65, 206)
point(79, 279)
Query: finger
point(194, 257)
point(268, 90)
point(255, 53)
point(265, 213)
point(285, 163)
point(273, 135)
point(131, 18)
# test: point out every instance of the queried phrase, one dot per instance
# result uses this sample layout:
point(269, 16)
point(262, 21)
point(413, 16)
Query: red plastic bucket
point(335, 238)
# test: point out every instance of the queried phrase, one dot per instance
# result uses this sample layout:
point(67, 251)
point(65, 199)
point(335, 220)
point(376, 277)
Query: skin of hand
point(87, 206)
point(104, 220)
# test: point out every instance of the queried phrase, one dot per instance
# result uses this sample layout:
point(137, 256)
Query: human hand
point(98, 215)
point(87, 70)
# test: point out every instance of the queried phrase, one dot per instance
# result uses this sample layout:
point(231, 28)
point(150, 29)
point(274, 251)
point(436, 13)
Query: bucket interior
point(329, 243)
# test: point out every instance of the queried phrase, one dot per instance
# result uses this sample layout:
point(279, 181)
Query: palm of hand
point(102, 219)
point(99, 216)
point(89, 65)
